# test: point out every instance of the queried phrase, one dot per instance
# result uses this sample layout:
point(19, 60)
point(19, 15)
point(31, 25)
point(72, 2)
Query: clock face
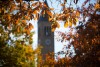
point(47, 42)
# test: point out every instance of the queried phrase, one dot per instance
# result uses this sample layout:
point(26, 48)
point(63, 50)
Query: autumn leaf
point(18, 29)
point(27, 32)
point(51, 8)
point(35, 12)
point(66, 24)
point(77, 13)
point(97, 6)
point(49, 13)
point(43, 12)
point(23, 21)
point(17, 21)
point(58, 25)
point(50, 19)
point(53, 29)
point(70, 24)
point(62, 4)
point(9, 17)
point(76, 19)
point(31, 26)
point(27, 17)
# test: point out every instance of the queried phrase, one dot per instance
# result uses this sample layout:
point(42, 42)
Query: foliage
point(86, 40)
point(15, 35)
point(86, 45)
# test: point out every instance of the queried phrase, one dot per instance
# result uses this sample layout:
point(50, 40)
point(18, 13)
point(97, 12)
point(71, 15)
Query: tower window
point(47, 30)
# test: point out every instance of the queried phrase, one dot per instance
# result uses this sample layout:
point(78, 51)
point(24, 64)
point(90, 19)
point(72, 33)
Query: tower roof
point(45, 16)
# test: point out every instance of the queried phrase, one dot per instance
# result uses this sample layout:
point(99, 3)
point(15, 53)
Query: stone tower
point(45, 36)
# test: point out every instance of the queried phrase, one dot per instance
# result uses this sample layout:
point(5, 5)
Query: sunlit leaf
point(97, 6)
point(53, 29)
point(77, 13)
point(58, 25)
point(66, 24)
point(50, 19)
point(70, 24)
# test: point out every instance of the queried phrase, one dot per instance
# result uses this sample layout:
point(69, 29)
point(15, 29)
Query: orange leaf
point(18, 29)
point(17, 21)
point(31, 26)
point(53, 29)
point(51, 8)
point(97, 6)
point(9, 17)
point(77, 13)
point(23, 21)
point(35, 12)
point(49, 13)
point(62, 4)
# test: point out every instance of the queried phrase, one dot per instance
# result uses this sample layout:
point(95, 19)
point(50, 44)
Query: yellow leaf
point(76, 19)
point(58, 25)
point(66, 24)
point(53, 29)
point(50, 19)
point(70, 23)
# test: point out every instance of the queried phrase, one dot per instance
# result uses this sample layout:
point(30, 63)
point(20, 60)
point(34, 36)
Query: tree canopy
point(16, 35)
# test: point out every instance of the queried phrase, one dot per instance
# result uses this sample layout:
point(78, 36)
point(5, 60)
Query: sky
point(58, 46)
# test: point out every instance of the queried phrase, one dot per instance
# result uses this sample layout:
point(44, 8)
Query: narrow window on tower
point(47, 30)
point(39, 33)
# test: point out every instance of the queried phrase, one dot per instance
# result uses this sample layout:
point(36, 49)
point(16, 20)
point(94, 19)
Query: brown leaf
point(49, 13)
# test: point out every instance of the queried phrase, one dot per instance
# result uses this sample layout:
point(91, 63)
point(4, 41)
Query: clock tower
point(45, 36)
